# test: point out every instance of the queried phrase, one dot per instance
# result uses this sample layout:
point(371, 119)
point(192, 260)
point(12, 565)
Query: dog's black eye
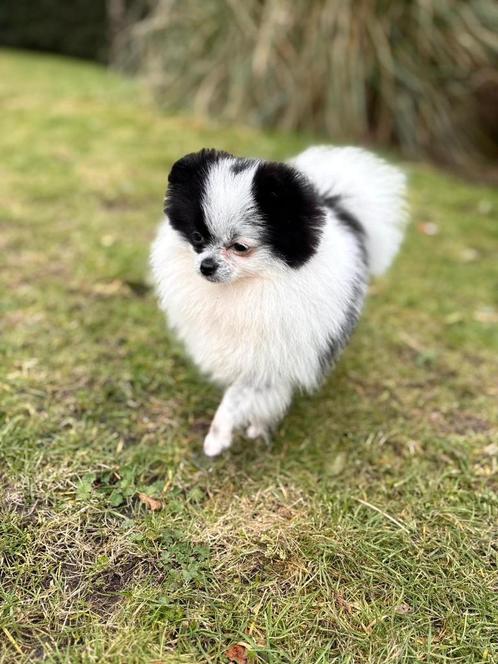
point(239, 247)
point(197, 237)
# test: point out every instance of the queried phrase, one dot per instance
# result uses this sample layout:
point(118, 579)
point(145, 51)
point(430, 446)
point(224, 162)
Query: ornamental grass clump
point(419, 74)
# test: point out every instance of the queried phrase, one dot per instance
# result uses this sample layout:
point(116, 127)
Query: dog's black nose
point(208, 267)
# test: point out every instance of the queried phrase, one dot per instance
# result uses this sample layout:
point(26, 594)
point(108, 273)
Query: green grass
point(365, 533)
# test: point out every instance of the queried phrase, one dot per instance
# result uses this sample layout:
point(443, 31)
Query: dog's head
point(242, 217)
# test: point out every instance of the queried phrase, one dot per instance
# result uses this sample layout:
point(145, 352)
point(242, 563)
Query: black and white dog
point(262, 269)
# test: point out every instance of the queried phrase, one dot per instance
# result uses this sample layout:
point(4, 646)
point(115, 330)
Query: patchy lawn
point(365, 533)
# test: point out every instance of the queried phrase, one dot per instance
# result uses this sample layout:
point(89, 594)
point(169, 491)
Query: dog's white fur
point(262, 330)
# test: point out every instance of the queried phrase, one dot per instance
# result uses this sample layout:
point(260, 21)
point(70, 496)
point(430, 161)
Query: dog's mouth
point(215, 278)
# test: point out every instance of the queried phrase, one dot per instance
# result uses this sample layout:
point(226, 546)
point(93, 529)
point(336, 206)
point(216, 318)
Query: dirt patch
point(107, 587)
point(71, 559)
point(459, 423)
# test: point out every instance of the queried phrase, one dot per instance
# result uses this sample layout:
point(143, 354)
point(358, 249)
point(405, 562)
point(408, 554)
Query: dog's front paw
point(255, 431)
point(258, 431)
point(215, 443)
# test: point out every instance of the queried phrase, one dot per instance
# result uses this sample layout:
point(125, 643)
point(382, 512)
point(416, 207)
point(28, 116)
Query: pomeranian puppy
point(262, 268)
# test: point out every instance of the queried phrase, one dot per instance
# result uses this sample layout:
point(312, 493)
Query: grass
point(365, 533)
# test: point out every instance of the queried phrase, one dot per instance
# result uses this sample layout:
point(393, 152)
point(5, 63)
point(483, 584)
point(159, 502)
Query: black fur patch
point(291, 212)
point(241, 165)
point(186, 183)
point(350, 222)
point(338, 342)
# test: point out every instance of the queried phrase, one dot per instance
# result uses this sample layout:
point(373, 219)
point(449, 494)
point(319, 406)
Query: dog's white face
point(242, 218)
point(234, 247)
point(239, 258)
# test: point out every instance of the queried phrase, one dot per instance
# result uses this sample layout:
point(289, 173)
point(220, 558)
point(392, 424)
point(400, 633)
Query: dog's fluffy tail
point(368, 188)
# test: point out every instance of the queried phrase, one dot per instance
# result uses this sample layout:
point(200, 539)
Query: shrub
point(78, 28)
point(406, 72)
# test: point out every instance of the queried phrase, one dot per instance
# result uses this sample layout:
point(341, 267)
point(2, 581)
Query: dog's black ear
point(183, 202)
point(291, 212)
point(194, 165)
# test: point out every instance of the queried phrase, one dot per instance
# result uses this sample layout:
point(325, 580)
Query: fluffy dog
point(262, 269)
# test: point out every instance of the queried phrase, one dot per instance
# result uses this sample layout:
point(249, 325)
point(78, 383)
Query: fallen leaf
point(237, 653)
point(152, 504)
point(414, 447)
point(337, 465)
point(453, 318)
point(108, 288)
point(403, 609)
point(486, 315)
point(468, 255)
point(107, 240)
point(343, 604)
point(429, 228)
point(485, 207)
